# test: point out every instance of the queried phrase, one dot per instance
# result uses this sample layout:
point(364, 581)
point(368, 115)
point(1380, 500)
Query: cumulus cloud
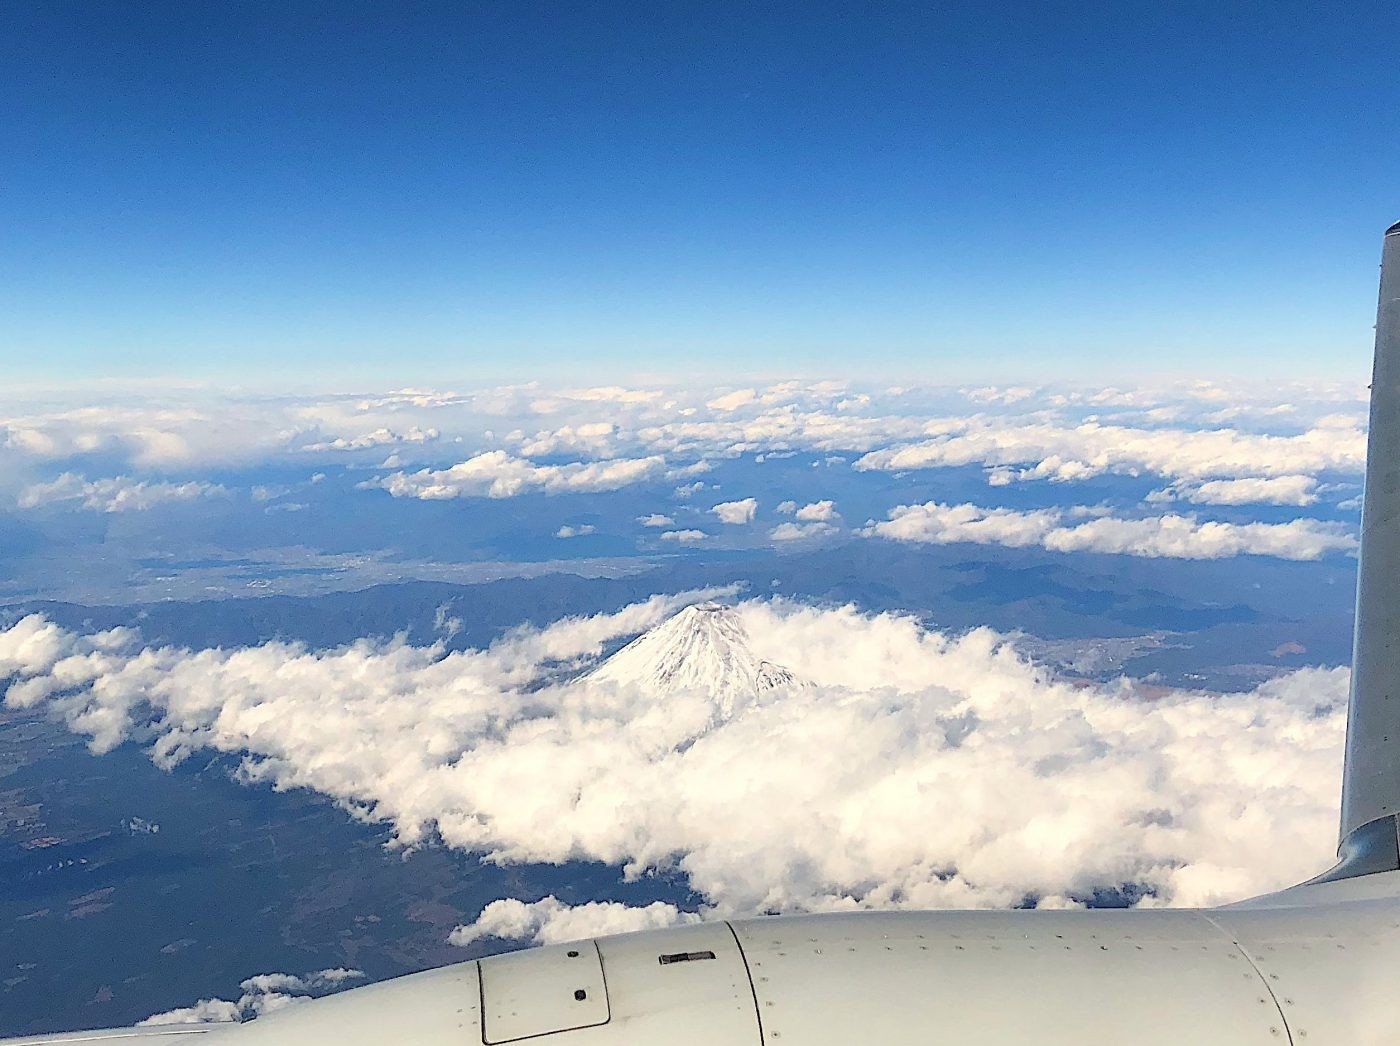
point(735, 512)
point(614, 394)
point(382, 437)
point(578, 531)
point(656, 519)
point(150, 435)
point(1075, 452)
point(264, 993)
point(733, 400)
point(817, 511)
point(401, 399)
point(496, 474)
point(801, 531)
point(685, 537)
point(994, 394)
point(1278, 490)
point(774, 431)
point(263, 492)
point(559, 400)
point(114, 494)
point(1168, 536)
point(594, 438)
point(911, 769)
point(551, 921)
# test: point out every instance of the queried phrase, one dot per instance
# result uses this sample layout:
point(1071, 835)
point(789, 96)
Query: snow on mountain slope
point(703, 648)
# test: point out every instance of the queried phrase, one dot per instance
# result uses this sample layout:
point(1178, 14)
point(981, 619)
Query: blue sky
point(421, 192)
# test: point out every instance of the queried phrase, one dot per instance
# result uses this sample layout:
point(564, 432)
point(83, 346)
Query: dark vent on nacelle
point(666, 960)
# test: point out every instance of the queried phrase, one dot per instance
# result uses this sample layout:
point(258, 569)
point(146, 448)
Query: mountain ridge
point(703, 647)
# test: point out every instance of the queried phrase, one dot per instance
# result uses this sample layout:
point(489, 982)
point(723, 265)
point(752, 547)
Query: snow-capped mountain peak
point(703, 648)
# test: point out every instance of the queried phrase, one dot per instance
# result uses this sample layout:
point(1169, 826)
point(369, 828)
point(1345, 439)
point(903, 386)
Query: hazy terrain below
point(125, 889)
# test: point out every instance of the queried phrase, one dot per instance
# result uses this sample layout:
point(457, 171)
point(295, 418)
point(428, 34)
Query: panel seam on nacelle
point(578, 996)
point(1244, 953)
point(603, 975)
point(753, 989)
point(481, 996)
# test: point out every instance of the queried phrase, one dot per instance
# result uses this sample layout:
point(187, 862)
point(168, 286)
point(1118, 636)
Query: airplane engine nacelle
point(1232, 977)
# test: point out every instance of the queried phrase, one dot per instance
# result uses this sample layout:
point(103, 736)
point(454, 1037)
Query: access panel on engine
point(542, 990)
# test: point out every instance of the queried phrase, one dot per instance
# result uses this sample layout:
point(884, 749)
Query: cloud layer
point(551, 921)
point(263, 993)
point(1195, 430)
point(1169, 536)
point(1276, 490)
point(496, 474)
point(116, 494)
point(1065, 453)
point(1290, 445)
point(912, 769)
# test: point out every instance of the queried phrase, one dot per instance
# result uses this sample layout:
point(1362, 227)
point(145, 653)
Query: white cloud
point(556, 401)
point(801, 531)
point(735, 513)
point(685, 537)
point(915, 769)
point(400, 399)
point(787, 508)
point(733, 400)
point(1003, 396)
point(1169, 536)
point(496, 474)
point(154, 428)
point(1278, 490)
point(213, 1011)
point(1075, 452)
point(579, 531)
point(114, 494)
point(381, 437)
point(593, 438)
point(699, 468)
point(936, 524)
point(551, 921)
point(775, 431)
point(656, 519)
point(264, 993)
point(615, 394)
point(817, 511)
point(150, 435)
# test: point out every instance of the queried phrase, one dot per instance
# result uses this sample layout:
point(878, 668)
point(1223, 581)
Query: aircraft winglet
point(1370, 838)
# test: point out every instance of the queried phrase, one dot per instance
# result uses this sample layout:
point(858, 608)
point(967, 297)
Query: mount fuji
point(703, 648)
